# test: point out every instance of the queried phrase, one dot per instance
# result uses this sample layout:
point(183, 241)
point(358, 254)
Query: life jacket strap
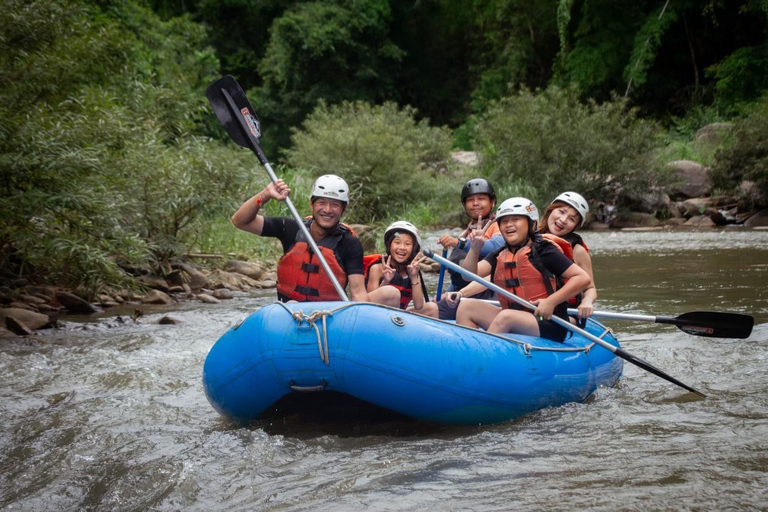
point(512, 283)
point(306, 290)
point(310, 268)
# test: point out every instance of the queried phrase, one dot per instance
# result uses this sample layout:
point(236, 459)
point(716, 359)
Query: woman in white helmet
point(530, 267)
point(565, 214)
point(398, 268)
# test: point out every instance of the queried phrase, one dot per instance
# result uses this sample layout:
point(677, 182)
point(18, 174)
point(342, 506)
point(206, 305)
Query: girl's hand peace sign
point(387, 272)
point(414, 266)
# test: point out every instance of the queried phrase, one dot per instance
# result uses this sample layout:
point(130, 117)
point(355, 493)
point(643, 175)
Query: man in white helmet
point(300, 275)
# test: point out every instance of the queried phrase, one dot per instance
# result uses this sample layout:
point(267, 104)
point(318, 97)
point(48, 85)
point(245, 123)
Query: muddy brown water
point(101, 415)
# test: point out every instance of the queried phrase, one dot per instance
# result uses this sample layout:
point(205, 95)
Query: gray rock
point(689, 179)
point(170, 320)
point(31, 319)
point(204, 297)
point(252, 270)
point(713, 132)
point(700, 221)
point(156, 297)
point(154, 282)
point(17, 326)
point(222, 294)
point(195, 278)
point(468, 158)
point(75, 304)
point(757, 220)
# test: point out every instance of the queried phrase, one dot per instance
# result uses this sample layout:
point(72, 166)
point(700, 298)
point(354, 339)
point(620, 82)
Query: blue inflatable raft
point(421, 367)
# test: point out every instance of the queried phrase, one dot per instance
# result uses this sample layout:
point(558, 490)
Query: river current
point(103, 415)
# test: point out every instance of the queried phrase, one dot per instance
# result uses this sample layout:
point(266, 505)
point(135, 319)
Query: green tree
point(99, 103)
point(389, 159)
point(746, 157)
point(334, 51)
point(551, 142)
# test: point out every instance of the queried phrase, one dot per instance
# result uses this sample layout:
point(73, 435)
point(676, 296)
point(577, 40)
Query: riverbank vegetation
point(111, 159)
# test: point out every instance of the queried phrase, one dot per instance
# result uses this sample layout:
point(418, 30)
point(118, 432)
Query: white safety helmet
point(403, 226)
point(331, 187)
point(517, 206)
point(575, 200)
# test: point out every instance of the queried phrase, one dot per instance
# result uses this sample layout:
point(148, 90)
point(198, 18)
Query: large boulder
point(74, 304)
point(223, 279)
point(713, 133)
point(700, 221)
point(757, 220)
point(689, 179)
point(253, 270)
point(31, 319)
point(157, 297)
point(154, 282)
point(468, 158)
point(194, 278)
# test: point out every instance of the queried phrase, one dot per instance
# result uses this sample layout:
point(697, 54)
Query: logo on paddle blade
point(253, 123)
point(693, 329)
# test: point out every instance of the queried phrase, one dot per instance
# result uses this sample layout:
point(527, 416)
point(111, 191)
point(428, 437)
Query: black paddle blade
point(235, 112)
point(645, 365)
point(713, 324)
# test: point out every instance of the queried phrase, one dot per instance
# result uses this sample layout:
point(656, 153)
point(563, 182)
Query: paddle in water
point(564, 323)
point(712, 324)
point(236, 114)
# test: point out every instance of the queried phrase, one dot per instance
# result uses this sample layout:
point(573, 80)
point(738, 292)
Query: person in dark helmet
point(479, 200)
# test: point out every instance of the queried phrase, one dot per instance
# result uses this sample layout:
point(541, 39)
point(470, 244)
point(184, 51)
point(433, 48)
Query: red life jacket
point(522, 275)
point(301, 277)
point(403, 284)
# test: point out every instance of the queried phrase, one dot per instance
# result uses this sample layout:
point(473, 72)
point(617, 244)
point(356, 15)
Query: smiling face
point(401, 247)
point(563, 219)
point(327, 212)
point(514, 229)
point(479, 205)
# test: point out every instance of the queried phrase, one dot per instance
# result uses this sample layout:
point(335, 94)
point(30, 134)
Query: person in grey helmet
point(479, 200)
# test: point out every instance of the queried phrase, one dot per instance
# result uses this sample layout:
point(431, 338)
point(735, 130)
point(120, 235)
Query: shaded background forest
point(111, 159)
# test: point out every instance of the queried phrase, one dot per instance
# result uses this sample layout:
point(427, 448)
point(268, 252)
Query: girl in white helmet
point(565, 214)
point(530, 267)
point(399, 267)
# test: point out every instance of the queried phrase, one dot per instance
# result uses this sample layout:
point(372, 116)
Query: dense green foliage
point(746, 157)
point(110, 156)
point(545, 140)
point(390, 160)
point(100, 161)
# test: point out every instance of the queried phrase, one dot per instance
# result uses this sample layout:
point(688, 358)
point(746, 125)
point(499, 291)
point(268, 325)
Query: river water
point(102, 415)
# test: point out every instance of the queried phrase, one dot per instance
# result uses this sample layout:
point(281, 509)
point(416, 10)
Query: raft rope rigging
point(322, 339)
point(322, 344)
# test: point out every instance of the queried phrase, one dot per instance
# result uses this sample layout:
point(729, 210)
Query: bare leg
point(386, 295)
point(515, 321)
point(429, 309)
point(474, 313)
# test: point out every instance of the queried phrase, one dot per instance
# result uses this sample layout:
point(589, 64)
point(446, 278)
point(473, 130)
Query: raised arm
point(247, 217)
